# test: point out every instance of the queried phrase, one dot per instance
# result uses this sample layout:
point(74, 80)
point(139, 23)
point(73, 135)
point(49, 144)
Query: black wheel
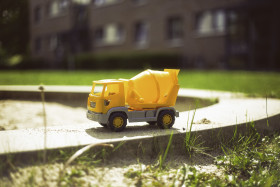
point(152, 123)
point(103, 124)
point(117, 121)
point(166, 119)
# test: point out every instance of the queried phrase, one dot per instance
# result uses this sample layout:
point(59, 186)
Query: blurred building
point(207, 34)
point(58, 28)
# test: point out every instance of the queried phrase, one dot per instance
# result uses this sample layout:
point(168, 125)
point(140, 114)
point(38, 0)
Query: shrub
point(30, 63)
point(22, 62)
point(127, 60)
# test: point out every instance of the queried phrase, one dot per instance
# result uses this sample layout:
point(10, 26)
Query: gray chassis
point(132, 116)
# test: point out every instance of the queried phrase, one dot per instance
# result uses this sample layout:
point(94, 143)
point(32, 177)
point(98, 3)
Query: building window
point(105, 2)
point(99, 36)
point(210, 22)
point(38, 45)
point(110, 34)
point(54, 10)
point(139, 2)
point(37, 14)
point(219, 21)
point(53, 42)
point(57, 7)
point(63, 4)
point(141, 33)
point(175, 28)
point(114, 33)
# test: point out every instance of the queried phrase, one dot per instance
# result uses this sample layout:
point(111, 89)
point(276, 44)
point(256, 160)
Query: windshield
point(97, 89)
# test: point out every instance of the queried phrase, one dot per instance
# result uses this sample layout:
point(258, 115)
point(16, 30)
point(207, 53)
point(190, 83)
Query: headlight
point(92, 104)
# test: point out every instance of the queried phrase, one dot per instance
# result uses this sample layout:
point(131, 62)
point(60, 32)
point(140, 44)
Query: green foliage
point(72, 178)
point(14, 32)
point(126, 60)
point(247, 162)
point(190, 176)
point(192, 143)
point(162, 159)
point(7, 164)
point(190, 138)
point(21, 62)
point(251, 162)
point(31, 179)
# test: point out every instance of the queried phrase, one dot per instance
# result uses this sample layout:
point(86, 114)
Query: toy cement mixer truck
point(149, 96)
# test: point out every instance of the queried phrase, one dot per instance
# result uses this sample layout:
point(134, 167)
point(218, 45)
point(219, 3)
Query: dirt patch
point(116, 172)
point(29, 114)
point(203, 121)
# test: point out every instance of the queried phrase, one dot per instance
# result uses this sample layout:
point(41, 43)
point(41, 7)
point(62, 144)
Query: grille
point(92, 104)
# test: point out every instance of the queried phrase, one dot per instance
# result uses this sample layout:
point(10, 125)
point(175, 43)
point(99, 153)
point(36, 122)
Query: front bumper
point(98, 117)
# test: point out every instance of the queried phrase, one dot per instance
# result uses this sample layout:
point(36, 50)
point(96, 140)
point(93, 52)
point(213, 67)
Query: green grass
point(252, 83)
point(60, 77)
point(251, 161)
point(256, 164)
point(247, 161)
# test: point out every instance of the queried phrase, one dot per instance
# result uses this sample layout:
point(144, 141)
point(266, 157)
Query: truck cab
point(106, 94)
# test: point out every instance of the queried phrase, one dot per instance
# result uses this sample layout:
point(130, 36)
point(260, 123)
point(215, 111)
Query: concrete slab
point(232, 110)
point(86, 89)
point(57, 89)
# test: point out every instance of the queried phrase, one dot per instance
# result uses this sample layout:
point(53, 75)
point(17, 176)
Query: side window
point(111, 89)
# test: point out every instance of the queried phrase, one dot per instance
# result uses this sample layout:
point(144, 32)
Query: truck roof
point(108, 81)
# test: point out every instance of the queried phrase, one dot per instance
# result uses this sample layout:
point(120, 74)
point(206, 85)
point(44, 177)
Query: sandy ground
point(17, 114)
point(110, 173)
point(29, 114)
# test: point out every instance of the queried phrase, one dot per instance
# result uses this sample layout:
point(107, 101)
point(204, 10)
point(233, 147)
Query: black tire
point(152, 123)
point(117, 121)
point(166, 119)
point(103, 124)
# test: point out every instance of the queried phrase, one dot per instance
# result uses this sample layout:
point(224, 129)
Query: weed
point(31, 179)
point(251, 161)
point(119, 145)
point(83, 150)
point(162, 159)
point(190, 176)
point(140, 150)
point(192, 143)
point(72, 178)
point(7, 164)
point(138, 174)
point(266, 111)
point(41, 88)
point(64, 176)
